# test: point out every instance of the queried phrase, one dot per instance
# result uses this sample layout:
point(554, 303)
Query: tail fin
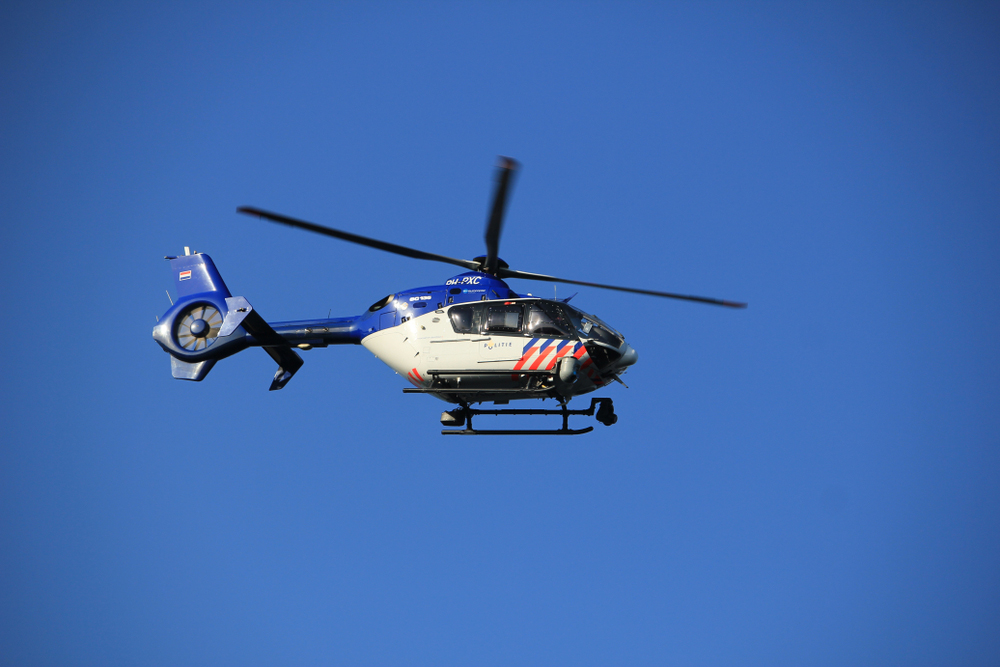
point(195, 275)
point(207, 324)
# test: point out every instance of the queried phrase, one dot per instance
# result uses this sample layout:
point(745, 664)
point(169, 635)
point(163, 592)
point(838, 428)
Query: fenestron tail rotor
point(198, 327)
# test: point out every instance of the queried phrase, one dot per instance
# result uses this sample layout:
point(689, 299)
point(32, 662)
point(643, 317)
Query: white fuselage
point(429, 343)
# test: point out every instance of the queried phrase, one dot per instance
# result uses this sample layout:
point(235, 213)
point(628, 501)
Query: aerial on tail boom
point(471, 340)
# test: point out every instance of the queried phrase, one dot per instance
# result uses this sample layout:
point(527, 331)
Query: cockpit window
point(505, 319)
point(548, 320)
point(463, 319)
point(605, 335)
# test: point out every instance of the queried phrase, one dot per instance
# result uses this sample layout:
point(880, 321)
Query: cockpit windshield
point(589, 326)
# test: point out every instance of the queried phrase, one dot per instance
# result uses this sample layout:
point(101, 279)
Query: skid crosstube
point(602, 406)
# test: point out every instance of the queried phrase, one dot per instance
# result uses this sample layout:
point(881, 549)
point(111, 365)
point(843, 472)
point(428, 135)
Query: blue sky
point(811, 481)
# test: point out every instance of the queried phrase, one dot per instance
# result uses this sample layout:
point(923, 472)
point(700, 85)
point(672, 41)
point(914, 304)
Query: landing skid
point(463, 416)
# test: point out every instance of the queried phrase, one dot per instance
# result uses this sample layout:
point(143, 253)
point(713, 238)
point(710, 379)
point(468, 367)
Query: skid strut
point(463, 416)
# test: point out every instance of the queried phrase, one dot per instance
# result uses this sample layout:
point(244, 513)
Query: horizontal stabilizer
point(237, 310)
point(241, 313)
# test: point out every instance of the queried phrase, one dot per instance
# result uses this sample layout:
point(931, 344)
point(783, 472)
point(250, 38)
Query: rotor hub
point(482, 262)
point(200, 328)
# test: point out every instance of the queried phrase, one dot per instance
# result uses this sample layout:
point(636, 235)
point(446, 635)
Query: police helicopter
point(469, 341)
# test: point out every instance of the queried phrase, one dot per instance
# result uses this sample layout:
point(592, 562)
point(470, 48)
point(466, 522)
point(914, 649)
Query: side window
point(504, 319)
point(462, 320)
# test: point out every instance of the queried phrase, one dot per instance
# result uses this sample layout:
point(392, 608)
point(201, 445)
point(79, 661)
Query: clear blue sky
point(812, 481)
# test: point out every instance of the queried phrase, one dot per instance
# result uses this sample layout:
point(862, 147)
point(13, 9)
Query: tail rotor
point(198, 327)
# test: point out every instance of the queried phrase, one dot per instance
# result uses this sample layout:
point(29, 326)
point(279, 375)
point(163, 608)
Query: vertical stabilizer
point(196, 274)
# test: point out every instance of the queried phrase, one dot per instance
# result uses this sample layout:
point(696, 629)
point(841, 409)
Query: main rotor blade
point(360, 240)
point(509, 273)
point(504, 175)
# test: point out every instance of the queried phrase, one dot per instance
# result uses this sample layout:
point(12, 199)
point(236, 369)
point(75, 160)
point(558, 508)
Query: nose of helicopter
point(629, 355)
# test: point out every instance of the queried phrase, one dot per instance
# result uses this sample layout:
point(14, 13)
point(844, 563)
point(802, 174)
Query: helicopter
point(469, 341)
